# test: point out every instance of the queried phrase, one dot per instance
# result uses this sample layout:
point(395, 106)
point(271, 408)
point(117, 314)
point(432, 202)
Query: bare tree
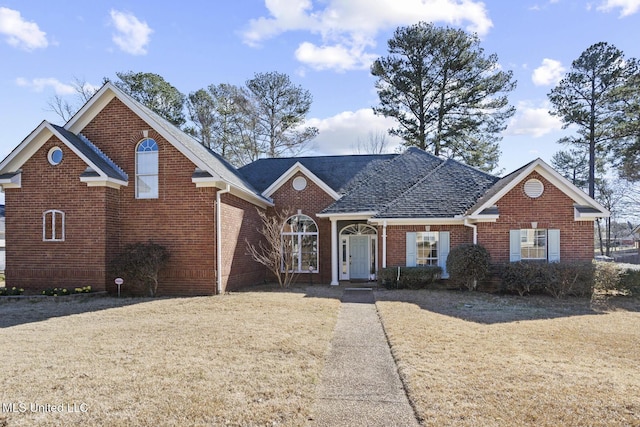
point(376, 143)
point(273, 251)
point(65, 109)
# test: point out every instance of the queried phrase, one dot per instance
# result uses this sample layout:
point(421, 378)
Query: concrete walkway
point(360, 385)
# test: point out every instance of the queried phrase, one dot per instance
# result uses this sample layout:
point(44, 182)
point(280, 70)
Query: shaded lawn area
point(241, 359)
point(473, 359)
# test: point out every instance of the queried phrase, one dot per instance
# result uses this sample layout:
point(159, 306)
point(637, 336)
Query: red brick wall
point(240, 223)
point(310, 201)
point(100, 221)
point(79, 259)
point(181, 218)
point(552, 210)
point(397, 239)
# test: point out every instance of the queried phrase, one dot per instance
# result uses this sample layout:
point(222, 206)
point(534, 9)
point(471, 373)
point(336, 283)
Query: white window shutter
point(514, 245)
point(411, 250)
point(443, 252)
point(553, 240)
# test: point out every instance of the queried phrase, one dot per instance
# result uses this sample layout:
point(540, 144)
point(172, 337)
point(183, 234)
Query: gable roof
point(100, 168)
point(211, 168)
point(334, 171)
point(584, 206)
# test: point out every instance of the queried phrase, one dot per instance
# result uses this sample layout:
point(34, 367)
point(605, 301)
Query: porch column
point(334, 251)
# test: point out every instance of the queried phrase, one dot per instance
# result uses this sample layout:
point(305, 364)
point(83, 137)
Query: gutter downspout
point(384, 244)
point(475, 230)
point(219, 239)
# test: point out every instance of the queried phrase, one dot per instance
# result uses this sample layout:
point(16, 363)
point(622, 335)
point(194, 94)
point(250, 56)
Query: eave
point(417, 221)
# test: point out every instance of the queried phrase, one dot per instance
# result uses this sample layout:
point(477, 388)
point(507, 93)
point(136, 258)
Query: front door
point(359, 252)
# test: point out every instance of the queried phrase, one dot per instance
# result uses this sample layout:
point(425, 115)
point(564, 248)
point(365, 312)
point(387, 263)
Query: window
point(300, 243)
point(55, 156)
point(427, 248)
point(53, 226)
point(147, 169)
point(533, 244)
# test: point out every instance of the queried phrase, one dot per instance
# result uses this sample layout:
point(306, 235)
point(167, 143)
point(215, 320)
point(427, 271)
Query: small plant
point(59, 292)
point(468, 264)
point(11, 291)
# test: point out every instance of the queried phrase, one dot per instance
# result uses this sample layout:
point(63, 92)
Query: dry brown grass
point(472, 359)
point(241, 359)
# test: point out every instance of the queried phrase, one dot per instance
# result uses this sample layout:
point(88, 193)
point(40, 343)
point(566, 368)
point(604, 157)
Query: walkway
point(360, 385)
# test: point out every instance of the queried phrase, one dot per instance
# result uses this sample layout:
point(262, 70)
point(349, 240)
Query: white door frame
point(344, 250)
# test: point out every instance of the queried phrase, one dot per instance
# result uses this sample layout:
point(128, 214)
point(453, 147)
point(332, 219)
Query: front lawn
point(241, 359)
point(473, 359)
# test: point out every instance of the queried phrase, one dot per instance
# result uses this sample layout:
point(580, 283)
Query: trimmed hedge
point(467, 265)
point(611, 277)
point(410, 277)
point(556, 279)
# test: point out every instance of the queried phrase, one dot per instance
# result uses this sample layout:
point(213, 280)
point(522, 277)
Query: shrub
point(630, 281)
point(139, 264)
point(610, 277)
point(523, 277)
point(58, 292)
point(607, 276)
point(410, 277)
point(576, 279)
point(468, 264)
point(11, 291)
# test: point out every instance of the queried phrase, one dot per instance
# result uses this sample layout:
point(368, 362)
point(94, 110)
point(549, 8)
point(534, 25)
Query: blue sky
point(326, 46)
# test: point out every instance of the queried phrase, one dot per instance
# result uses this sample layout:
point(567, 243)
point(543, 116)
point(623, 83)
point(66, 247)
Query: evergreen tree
point(448, 97)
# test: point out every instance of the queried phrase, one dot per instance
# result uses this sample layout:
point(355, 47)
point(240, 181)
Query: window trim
point(299, 235)
point(155, 149)
point(54, 213)
point(553, 245)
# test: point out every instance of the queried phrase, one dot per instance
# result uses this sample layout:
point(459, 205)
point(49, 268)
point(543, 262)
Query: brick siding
point(552, 210)
point(100, 220)
point(310, 201)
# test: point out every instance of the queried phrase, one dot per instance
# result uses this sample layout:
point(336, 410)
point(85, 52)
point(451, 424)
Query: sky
point(325, 46)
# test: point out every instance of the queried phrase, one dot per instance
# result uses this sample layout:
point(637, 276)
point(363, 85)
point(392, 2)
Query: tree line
point(446, 95)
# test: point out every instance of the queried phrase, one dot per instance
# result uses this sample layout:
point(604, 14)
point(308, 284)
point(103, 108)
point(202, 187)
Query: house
point(118, 173)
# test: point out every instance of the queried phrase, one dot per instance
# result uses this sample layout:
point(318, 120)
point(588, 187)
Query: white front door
point(359, 253)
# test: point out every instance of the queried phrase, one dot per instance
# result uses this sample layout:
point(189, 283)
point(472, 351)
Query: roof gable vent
point(533, 188)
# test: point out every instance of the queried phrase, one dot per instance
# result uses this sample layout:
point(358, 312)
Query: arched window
point(300, 244)
point(53, 226)
point(147, 169)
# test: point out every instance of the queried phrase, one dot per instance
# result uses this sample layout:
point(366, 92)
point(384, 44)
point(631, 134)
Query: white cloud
point(20, 33)
point(338, 57)
point(341, 133)
point(549, 73)
point(629, 7)
point(346, 28)
point(40, 84)
point(533, 121)
point(132, 35)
